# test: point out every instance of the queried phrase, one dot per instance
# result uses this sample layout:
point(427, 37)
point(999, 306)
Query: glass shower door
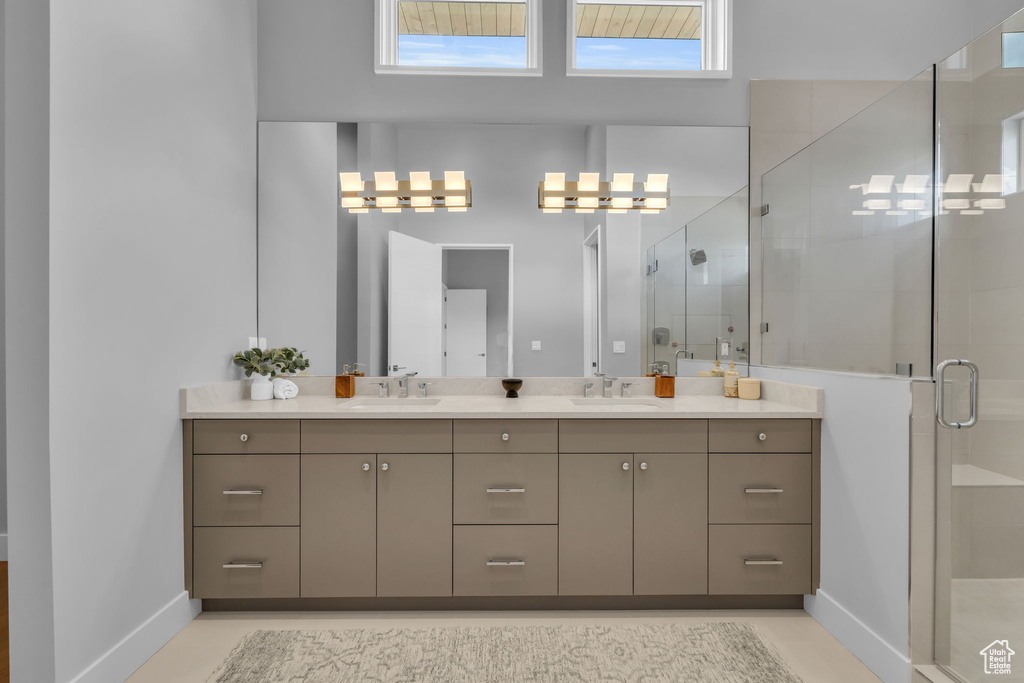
point(979, 317)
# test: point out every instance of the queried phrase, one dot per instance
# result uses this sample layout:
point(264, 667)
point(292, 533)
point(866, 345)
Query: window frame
point(386, 46)
point(715, 42)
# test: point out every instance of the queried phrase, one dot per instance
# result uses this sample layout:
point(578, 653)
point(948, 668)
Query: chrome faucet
point(607, 386)
point(587, 387)
point(385, 389)
point(423, 388)
point(403, 384)
point(686, 354)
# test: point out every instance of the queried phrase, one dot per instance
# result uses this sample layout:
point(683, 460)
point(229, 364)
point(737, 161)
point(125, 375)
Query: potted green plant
point(263, 365)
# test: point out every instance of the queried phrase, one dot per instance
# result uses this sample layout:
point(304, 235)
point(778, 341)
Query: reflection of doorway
point(592, 303)
point(481, 322)
point(465, 331)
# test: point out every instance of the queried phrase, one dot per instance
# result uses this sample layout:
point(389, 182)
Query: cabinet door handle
point(643, 466)
point(366, 467)
point(761, 562)
point(625, 467)
point(762, 436)
point(243, 565)
point(506, 490)
point(505, 437)
point(762, 490)
point(243, 492)
point(384, 467)
point(244, 437)
point(506, 563)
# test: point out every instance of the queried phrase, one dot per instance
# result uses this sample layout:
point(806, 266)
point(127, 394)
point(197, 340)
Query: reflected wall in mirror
point(538, 294)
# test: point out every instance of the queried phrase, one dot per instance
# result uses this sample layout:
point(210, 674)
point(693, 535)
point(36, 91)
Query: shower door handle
point(940, 384)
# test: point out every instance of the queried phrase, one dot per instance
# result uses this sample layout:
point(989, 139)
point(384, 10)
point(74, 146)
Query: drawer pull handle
point(506, 563)
point(243, 565)
point(762, 436)
point(643, 466)
point(384, 467)
point(242, 492)
point(366, 467)
point(244, 437)
point(625, 467)
point(762, 490)
point(758, 563)
point(506, 490)
point(505, 436)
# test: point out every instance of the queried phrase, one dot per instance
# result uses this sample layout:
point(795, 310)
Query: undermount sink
point(391, 403)
point(620, 404)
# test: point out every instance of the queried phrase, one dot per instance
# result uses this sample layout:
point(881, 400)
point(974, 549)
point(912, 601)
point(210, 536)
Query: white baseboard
point(888, 663)
point(120, 661)
point(3, 547)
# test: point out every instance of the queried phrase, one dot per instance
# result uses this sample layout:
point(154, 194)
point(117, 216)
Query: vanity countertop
point(230, 401)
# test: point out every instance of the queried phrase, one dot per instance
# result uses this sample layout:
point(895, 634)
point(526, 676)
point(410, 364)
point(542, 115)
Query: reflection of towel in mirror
point(285, 388)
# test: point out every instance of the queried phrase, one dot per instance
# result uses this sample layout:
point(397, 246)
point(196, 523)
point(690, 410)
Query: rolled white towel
point(285, 388)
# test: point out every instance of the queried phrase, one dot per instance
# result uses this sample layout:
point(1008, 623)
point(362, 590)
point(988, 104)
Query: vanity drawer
point(264, 490)
point(505, 560)
point(495, 488)
point(212, 437)
point(633, 436)
point(760, 436)
point(759, 559)
point(506, 436)
point(376, 436)
point(756, 488)
point(271, 553)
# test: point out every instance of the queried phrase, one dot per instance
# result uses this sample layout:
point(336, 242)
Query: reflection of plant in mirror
point(271, 361)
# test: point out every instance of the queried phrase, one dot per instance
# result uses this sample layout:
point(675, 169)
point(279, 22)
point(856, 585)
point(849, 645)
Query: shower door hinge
point(905, 369)
point(764, 209)
point(764, 327)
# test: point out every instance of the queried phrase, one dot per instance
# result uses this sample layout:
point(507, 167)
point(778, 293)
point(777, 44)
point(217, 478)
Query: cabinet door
point(338, 526)
point(595, 524)
point(414, 524)
point(670, 524)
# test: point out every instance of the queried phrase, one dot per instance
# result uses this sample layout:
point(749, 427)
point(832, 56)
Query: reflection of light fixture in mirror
point(390, 195)
point(589, 193)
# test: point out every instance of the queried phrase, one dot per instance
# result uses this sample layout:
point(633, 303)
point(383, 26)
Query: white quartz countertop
point(778, 401)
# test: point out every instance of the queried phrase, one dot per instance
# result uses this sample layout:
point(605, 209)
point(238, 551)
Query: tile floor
point(984, 610)
point(193, 654)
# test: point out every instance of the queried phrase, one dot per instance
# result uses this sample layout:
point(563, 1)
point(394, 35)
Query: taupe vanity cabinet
point(498, 508)
point(381, 523)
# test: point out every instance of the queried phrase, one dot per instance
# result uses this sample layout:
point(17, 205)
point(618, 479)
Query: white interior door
point(415, 318)
point(466, 333)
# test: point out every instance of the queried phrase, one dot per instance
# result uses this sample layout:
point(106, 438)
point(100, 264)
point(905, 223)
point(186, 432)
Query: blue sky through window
point(461, 51)
point(1013, 50)
point(656, 54)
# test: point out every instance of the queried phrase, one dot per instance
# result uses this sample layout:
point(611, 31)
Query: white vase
point(262, 388)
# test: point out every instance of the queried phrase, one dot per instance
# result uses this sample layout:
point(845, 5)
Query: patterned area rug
point(642, 653)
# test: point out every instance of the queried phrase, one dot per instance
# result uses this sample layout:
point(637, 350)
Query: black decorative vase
point(511, 387)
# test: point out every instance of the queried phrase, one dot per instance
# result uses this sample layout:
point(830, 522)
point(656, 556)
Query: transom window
point(484, 37)
point(682, 38)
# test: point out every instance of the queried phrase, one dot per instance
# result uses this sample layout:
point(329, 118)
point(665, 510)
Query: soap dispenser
point(732, 376)
point(718, 370)
point(345, 384)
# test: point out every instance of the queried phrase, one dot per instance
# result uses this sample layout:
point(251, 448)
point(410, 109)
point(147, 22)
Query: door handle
point(940, 379)
point(481, 354)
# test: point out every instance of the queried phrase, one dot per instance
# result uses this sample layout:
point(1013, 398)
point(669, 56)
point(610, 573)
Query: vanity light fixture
point(419, 193)
point(590, 193)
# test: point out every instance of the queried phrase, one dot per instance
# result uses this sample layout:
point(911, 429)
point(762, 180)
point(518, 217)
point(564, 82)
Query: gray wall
point(152, 262)
point(3, 341)
point(27, 329)
point(485, 269)
point(316, 64)
point(347, 266)
point(298, 262)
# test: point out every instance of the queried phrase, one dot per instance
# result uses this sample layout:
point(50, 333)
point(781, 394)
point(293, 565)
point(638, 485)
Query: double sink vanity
point(467, 498)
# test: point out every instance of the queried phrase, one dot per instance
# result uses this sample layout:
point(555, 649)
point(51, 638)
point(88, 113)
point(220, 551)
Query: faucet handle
point(423, 388)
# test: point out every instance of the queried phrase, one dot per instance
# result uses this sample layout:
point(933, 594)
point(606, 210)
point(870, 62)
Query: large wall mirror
point(504, 288)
